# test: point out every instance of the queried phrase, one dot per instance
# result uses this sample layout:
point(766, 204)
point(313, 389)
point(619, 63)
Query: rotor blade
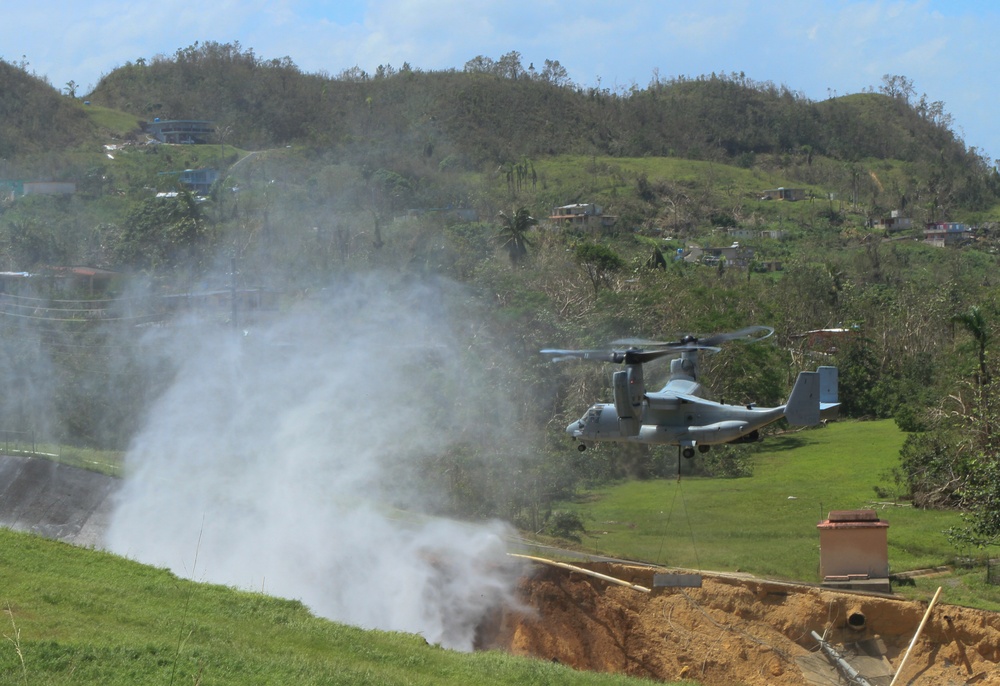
point(691, 342)
point(634, 354)
point(560, 355)
point(639, 343)
point(642, 356)
point(750, 334)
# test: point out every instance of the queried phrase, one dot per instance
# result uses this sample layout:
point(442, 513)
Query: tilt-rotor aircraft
point(678, 414)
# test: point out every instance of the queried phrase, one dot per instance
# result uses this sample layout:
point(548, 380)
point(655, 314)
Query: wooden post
point(915, 637)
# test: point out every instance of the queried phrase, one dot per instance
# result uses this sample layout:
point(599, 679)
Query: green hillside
point(405, 173)
point(74, 616)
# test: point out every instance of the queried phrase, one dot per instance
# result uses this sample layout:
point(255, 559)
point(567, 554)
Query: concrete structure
point(854, 551)
point(735, 255)
point(894, 222)
point(790, 194)
point(741, 233)
point(55, 500)
point(582, 216)
point(15, 188)
point(49, 188)
point(941, 234)
point(181, 130)
point(198, 181)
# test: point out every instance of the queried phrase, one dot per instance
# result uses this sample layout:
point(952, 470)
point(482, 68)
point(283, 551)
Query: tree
point(599, 262)
point(555, 73)
point(163, 233)
point(980, 491)
point(973, 321)
point(897, 87)
point(479, 65)
point(509, 65)
point(514, 233)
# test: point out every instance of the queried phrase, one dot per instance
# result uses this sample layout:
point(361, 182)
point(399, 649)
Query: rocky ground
point(736, 630)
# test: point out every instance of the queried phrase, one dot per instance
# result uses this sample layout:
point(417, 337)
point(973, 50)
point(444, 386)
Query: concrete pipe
point(856, 619)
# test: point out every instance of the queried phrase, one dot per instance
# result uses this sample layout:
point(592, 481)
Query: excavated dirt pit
point(731, 631)
point(735, 631)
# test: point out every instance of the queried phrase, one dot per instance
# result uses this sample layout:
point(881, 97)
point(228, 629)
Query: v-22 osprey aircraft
point(678, 414)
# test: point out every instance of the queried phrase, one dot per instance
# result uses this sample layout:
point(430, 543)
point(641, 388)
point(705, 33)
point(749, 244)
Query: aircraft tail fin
point(829, 400)
point(803, 407)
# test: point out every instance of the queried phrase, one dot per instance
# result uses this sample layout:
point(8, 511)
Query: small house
point(735, 255)
point(789, 194)
point(581, 216)
point(941, 234)
point(189, 131)
point(198, 181)
point(894, 222)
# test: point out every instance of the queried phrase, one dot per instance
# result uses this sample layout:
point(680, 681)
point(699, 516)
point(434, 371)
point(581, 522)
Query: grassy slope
point(766, 524)
point(85, 617)
point(113, 122)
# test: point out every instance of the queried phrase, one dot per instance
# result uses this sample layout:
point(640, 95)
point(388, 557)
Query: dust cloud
point(289, 458)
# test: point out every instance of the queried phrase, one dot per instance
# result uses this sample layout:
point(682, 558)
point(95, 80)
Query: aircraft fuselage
point(676, 421)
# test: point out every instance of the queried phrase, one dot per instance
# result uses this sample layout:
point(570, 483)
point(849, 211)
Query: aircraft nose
point(575, 429)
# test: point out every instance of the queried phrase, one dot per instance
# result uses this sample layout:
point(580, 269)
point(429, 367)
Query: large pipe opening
point(856, 619)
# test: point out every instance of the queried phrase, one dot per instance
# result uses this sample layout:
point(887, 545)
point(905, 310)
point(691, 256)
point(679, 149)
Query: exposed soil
point(736, 630)
point(731, 631)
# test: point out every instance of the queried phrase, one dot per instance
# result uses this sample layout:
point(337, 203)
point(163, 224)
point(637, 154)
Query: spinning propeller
point(635, 352)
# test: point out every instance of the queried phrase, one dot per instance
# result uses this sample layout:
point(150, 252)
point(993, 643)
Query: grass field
point(766, 524)
point(75, 616)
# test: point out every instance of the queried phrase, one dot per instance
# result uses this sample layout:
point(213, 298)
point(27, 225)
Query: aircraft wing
point(681, 387)
point(671, 400)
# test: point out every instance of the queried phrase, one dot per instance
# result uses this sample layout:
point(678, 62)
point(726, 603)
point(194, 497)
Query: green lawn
point(766, 524)
point(74, 616)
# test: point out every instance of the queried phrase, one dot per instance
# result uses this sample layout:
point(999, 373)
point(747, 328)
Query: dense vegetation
point(318, 172)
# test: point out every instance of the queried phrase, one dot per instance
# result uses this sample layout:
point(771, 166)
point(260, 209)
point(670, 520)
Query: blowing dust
point(287, 458)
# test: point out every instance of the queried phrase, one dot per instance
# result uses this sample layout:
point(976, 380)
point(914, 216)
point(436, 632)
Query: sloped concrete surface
point(55, 500)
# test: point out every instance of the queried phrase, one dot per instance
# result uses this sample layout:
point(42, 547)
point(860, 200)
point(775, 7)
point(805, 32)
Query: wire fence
point(993, 572)
point(18, 442)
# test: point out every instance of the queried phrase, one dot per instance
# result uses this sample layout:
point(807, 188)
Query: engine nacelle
point(629, 392)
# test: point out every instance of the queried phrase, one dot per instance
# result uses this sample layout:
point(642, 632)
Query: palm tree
point(973, 321)
point(514, 233)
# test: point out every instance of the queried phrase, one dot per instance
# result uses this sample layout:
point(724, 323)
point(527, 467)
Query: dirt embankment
point(739, 631)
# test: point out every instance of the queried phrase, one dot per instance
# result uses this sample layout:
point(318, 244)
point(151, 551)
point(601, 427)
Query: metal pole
point(853, 675)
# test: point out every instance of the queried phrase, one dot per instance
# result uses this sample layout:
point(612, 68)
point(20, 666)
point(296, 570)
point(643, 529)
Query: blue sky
point(819, 48)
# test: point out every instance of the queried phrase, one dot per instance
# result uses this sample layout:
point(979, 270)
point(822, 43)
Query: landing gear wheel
point(688, 453)
point(703, 448)
point(581, 447)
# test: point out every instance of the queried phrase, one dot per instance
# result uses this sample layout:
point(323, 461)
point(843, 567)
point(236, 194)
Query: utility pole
point(232, 291)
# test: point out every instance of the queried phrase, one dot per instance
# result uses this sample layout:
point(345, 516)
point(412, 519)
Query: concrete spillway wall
point(55, 500)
